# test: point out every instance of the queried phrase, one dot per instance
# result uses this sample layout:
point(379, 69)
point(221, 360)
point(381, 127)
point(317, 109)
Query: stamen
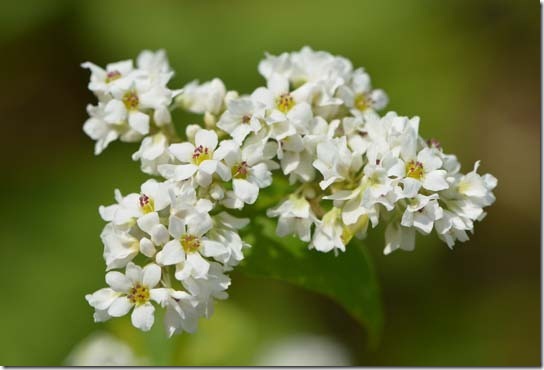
point(112, 76)
point(240, 171)
point(146, 204)
point(139, 294)
point(285, 102)
point(200, 154)
point(131, 101)
point(414, 170)
point(190, 243)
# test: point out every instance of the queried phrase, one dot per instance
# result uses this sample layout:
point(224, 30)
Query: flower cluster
point(315, 123)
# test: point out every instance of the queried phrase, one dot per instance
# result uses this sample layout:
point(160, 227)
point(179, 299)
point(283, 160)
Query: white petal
point(160, 295)
point(133, 273)
point(199, 265)
point(101, 299)
point(429, 159)
point(159, 234)
point(184, 171)
point(208, 166)
point(206, 138)
point(151, 275)
point(245, 191)
point(115, 112)
point(171, 254)
point(147, 248)
point(211, 248)
point(176, 226)
point(120, 307)
point(118, 281)
point(147, 222)
point(139, 122)
point(435, 180)
point(143, 316)
point(182, 151)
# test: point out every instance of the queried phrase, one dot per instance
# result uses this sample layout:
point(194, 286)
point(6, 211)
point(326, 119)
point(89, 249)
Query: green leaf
point(348, 278)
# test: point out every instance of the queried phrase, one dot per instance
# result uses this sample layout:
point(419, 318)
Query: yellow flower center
point(246, 119)
point(362, 102)
point(131, 101)
point(285, 102)
point(240, 170)
point(146, 204)
point(414, 170)
point(139, 294)
point(190, 243)
point(112, 76)
point(201, 154)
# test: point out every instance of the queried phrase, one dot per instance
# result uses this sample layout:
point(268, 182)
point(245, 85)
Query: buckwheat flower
point(319, 131)
point(206, 98)
point(120, 247)
point(128, 104)
point(154, 197)
point(358, 94)
point(425, 171)
point(206, 290)
point(295, 217)
point(356, 133)
point(132, 290)
point(115, 75)
point(335, 161)
point(478, 188)
point(181, 314)
point(249, 172)
point(101, 131)
point(452, 228)
point(155, 65)
point(285, 110)
point(153, 152)
point(421, 213)
point(199, 159)
point(330, 233)
point(225, 232)
point(242, 117)
point(187, 250)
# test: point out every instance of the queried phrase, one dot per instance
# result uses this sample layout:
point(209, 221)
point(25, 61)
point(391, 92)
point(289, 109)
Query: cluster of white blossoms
point(315, 123)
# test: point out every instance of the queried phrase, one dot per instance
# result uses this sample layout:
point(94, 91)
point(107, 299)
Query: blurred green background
point(470, 69)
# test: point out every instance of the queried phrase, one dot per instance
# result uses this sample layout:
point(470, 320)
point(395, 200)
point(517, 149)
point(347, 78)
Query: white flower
point(329, 233)
point(115, 75)
point(134, 289)
point(295, 217)
point(154, 197)
point(134, 103)
point(188, 249)
point(181, 314)
point(241, 118)
point(155, 66)
point(206, 98)
point(335, 161)
point(425, 171)
point(214, 286)
point(153, 152)
point(199, 159)
point(249, 172)
point(104, 132)
point(225, 232)
point(358, 94)
point(285, 111)
point(421, 213)
point(119, 246)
